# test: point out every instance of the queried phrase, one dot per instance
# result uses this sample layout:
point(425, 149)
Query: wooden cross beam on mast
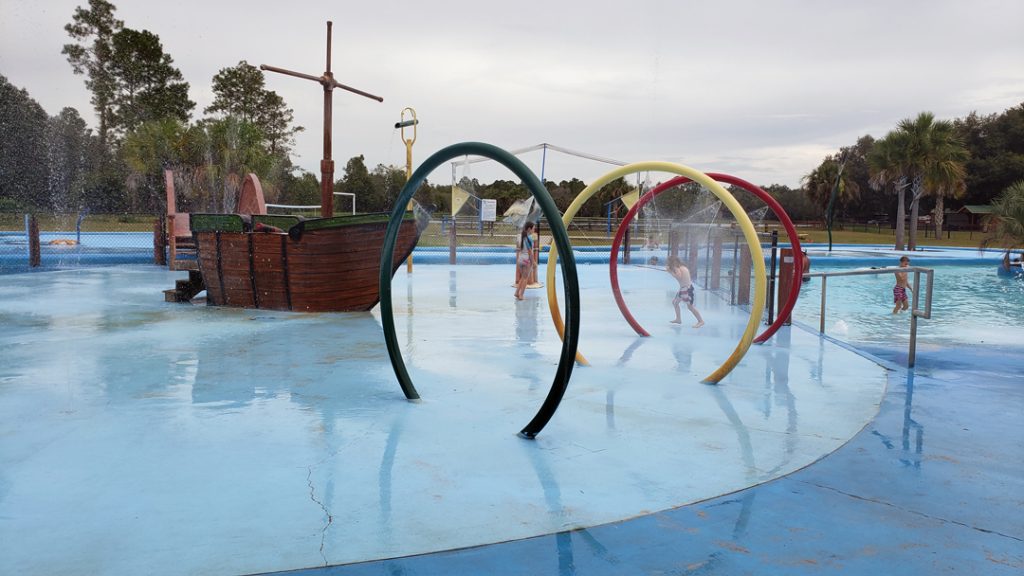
point(327, 164)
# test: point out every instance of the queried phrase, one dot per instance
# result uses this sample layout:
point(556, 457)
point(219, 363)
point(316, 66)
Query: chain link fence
point(716, 254)
point(61, 241)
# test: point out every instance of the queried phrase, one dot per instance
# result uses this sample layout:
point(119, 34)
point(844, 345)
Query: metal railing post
point(912, 352)
point(771, 277)
point(821, 325)
point(915, 311)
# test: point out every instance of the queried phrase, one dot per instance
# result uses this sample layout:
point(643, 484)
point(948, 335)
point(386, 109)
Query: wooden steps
point(186, 289)
point(182, 253)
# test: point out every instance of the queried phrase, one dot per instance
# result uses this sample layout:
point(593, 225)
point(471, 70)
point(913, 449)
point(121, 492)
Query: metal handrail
point(915, 312)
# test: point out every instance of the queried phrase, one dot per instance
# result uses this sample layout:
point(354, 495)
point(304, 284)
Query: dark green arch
point(569, 278)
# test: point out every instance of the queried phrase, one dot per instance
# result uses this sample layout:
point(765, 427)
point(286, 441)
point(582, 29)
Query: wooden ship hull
point(283, 263)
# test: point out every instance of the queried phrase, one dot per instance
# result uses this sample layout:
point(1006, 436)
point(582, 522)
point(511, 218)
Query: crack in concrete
point(330, 518)
point(915, 512)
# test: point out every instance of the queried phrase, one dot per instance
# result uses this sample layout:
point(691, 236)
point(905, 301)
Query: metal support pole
point(402, 124)
point(535, 260)
point(716, 265)
point(707, 260)
point(626, 256)
point(78, 227)
point(735, 270)
point(452, 239)
point(771, 278)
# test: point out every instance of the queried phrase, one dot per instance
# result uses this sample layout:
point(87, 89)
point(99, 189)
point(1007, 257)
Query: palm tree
point(236, 148)
point(1005, 225)
point(147, 150)
point(934, 158)
point(819, 183)
point(210, 158)
point(914, 139)
point(947, 171)
point(888, 166)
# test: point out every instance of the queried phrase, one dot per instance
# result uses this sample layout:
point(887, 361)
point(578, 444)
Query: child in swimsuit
point(685, 294)
point(899, 291)
point(524, 260)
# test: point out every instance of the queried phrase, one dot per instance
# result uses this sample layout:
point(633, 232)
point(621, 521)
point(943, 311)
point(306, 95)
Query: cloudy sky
point(759, 89)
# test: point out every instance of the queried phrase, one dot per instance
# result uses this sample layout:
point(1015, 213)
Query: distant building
point(970, 216)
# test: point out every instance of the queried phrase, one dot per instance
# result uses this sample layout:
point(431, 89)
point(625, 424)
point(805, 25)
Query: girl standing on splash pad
point(524, 259)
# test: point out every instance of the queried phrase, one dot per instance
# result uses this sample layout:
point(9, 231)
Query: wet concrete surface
point(147, 437)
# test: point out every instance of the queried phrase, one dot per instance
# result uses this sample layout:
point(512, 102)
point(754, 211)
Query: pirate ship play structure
point(256, 260)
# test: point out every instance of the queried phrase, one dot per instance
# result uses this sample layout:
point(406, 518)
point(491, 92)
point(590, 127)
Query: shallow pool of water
point(971, 304)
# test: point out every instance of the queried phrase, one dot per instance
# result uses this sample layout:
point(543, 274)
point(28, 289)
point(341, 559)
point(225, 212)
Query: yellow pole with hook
point(402, 124)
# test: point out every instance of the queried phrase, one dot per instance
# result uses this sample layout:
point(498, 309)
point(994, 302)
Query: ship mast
point(326, 164)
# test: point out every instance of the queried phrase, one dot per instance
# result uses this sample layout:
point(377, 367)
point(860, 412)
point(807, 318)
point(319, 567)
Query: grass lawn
point(432, 236)
point(92, 223)
point(957, 238)
point(10, 222)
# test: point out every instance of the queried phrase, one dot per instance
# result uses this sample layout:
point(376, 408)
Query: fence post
point(28, 237)
point(172, 242)
point(32, 231)
point(159, 243)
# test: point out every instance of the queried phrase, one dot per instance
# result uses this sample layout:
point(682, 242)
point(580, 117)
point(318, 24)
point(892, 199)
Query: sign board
point(488, 209)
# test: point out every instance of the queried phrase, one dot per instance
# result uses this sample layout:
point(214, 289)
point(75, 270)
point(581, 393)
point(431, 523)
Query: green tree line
point(145, 125)
point(924, 167)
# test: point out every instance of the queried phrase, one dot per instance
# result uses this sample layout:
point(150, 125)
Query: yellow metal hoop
point(746, 226)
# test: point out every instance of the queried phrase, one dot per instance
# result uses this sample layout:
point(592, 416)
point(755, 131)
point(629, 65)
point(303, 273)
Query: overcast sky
point(759, 89)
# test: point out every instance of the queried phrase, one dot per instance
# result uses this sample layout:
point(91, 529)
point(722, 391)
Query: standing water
point(971, 305)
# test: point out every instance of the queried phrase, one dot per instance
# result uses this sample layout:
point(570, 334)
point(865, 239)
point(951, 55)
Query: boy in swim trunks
point(899, 291)
point(685, 294)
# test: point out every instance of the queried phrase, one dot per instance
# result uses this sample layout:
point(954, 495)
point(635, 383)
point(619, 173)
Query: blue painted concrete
point(144, 437)
point(934, 485)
